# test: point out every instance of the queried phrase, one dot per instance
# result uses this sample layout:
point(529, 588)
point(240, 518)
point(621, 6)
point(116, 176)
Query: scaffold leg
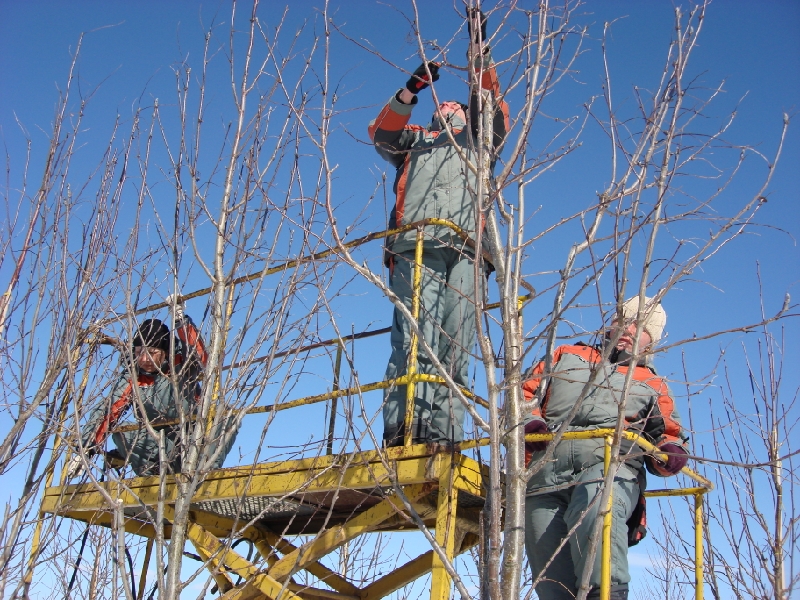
point(262, 582)
point(445, 532)
point(268, 540)
point(698, 546)
point(213, 564)
point(336, 536)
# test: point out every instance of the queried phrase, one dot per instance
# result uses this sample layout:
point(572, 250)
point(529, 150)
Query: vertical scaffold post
point(334, 401)
point(698, 546)
point(605, 569)
point(411, 369)
point(445, 528)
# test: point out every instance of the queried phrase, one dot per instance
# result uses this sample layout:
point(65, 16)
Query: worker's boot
point(619, 591)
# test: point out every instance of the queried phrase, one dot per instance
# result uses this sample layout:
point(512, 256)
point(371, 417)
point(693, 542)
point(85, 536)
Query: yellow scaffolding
point(332, 499)
point(352, 494)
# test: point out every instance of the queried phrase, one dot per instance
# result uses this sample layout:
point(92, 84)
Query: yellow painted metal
point(291, 264)
point(698, 546)
point(238, 564)
point(445, 530)
point(318, 570)
point(215, 567)
point(266, 551)
point(675, 492)
point(331, 539)
point(308, 400)
point(232, 484)
point(399, 578)
point(605, 562)
point(463, 475)
point(105, 518)
point(245, 592)
point(414, 466)
point(521, 300)
point(644, 444)
point(251, 592)
point(411, 365)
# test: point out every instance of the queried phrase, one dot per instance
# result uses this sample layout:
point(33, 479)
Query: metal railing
point(412, 377)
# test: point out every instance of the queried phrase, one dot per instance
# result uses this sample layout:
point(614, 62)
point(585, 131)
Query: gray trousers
point(140, 449)
point(447, 321)
point(549, 518)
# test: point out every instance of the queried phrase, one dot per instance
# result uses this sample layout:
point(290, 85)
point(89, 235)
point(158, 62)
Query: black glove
point(473, 14)
point(419, 80)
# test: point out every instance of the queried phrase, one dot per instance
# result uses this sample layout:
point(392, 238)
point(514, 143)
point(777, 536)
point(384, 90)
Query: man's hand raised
point(420, 80)
point(476, 25)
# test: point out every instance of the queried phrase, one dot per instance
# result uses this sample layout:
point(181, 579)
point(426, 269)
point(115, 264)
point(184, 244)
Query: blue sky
point(130, 48)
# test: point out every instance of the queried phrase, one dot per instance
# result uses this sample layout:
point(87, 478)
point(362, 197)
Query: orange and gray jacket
point(162, 396)
point(432, 179)
point(649, 410)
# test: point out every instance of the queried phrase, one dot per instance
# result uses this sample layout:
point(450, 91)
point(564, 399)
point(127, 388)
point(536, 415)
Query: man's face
point(149, 359)
point(627, 334)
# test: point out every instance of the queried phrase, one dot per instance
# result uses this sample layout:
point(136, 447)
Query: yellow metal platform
point(330, 499)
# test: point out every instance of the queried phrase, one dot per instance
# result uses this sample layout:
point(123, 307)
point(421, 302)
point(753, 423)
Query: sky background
point(130, 49)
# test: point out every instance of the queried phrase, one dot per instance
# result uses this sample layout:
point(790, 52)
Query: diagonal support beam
point(233, 561)
point(320, 571)
point(331, 539)
point(399, 578)
point(238, 564)
point(413, 569)
point(213, 564)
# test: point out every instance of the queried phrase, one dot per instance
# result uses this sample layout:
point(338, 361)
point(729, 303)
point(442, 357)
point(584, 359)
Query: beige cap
point(655, 317)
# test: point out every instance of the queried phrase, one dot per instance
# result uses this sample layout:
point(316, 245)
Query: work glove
point(535, 426)
point(475, 15)
point(177, 309)
point(74, 468)
point(419, 79)
point(677, 457)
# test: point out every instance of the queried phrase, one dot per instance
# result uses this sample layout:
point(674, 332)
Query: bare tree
point(639, 227)
point(751, 534)
point(231, 204)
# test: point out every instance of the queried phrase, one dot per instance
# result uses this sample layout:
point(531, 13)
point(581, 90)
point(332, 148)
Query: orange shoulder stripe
point(189, 335)
point(400, 204)
point(113, 415)
point(530, 386)
point(388, 120)
point(666, 405)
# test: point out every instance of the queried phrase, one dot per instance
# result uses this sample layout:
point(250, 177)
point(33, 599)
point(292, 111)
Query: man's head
point(452, 113)
point(151, 345)
point(650, 324)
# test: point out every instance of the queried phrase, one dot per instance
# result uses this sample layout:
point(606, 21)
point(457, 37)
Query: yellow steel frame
point(415, 477)
point(414, 474)
point(697, 492)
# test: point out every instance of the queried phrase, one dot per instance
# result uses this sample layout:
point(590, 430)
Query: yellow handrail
point(698, 492)
point(411, 378)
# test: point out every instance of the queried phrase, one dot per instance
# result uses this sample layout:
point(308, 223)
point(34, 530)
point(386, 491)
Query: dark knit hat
point(153, 334)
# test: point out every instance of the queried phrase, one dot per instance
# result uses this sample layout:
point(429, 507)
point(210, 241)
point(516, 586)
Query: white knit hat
point(654, 316)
